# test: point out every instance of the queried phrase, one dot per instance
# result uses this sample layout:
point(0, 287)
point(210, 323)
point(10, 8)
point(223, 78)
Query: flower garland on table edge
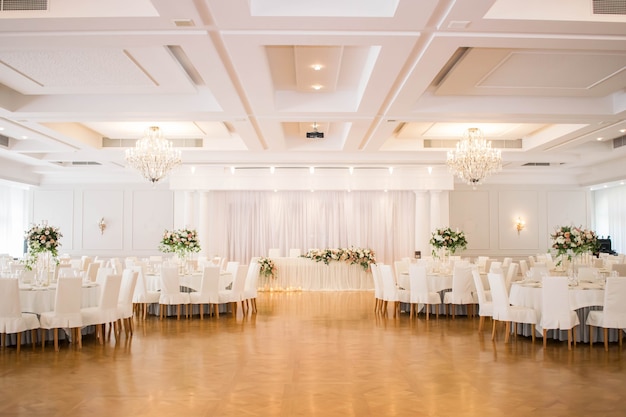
point(568, 240)
point(353, 256)
point(180, 241)
point(446, 238)
point(40, 239)
point(268, 268)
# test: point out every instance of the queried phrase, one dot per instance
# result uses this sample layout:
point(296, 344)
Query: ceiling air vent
point(619, 142)
point(23, 5)
point(4, 141)
point(609, 7)
point(536, 164)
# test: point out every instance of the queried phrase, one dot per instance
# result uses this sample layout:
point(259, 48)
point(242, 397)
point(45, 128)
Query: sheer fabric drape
point(245, 224)
point(13, 209)
point(610, 206)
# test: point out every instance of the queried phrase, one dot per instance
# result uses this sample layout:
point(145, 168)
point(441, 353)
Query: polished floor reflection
point(309, 354)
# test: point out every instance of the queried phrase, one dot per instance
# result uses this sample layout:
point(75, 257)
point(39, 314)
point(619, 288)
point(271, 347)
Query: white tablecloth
point(41, 300)
point(438, 282)
point(583, 298)
point(308, 275)
point(193, 281)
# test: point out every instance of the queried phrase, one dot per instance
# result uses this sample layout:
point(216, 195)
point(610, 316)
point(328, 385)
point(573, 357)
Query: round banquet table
point(583, 298)
point(191, 281)
point(40, 299)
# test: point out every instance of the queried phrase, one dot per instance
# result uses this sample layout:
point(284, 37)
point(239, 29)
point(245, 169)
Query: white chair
point(420, 292)
point(620, 268)
point(209, 292)
point(250, 290)
point(481, 262)
point(85, 261)
point(506, 262)
point(613, 314)
point(170, 291)
point(92, 271)
point(66, 312)
point(531, 261)
point(235, 294)
point(462, 290)
point(231, 268)
point(523, 268)
point(537, 272)
point(106, 311)
point(485, 306)
point(504, 311)
point(511, 273)
point(101, 274)
point(125, 301)
point(400, 267)
point(274, 253)
point(295, 253)
point(555, 310)
point(12, 320)
point(378, 287)
point(496, 267)
point(70, 273)
point(142, 297)
point(391, 292)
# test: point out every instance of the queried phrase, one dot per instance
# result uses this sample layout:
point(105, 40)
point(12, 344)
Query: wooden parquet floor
point(313, 354)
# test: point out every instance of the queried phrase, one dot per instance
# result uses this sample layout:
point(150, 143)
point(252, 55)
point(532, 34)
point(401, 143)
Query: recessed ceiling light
point(391, 170)
point(316, 87)
point(351, 169)
point(605, 186)
point(599, 138)
point(275, 190)
point(312, 170)
point(24, 137)
point(272, 169)
point(232, 170)
point(317, 67)
point(1, 128)
point(430, 170)
point(193, 169)
point(621, 183)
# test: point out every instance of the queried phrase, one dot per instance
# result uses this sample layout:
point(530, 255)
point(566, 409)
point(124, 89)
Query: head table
point(308, 275)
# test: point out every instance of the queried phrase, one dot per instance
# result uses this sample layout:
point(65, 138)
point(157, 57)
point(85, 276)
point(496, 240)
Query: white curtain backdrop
point(13, 210)
point(610, 216)
point(245, 224)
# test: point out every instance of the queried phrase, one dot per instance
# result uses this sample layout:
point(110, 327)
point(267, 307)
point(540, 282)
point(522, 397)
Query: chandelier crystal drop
point(153, 156)
point(473, 160)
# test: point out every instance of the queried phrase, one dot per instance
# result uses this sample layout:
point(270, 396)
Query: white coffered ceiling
point(240, 82)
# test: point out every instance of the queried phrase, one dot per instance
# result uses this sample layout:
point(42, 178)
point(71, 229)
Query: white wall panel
point(153, 213)
point(57, 208)
point(110, 206)
point(566, 208)
point(470, 212)
point(514, 204)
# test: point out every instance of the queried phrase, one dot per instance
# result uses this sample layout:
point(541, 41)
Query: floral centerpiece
point(354, 256)
point(182, 242)
point(268, 269)
point(447, 239)
point(570, 240)
point(41, 240)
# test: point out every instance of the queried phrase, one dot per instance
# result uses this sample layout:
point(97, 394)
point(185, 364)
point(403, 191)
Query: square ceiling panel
point(326, 8)
point(494, 71)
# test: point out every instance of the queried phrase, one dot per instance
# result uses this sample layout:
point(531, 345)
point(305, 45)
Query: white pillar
point(190, 209)
point(204, 228)
point(435, 209)
point(422, 222)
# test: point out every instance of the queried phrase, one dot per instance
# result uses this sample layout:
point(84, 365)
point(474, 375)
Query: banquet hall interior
point(287, 128)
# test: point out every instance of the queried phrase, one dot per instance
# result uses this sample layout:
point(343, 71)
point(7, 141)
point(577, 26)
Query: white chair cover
point(127, 290)
point(485, 306)
point(209, 288)
point(106, 311)
point(502, 309)
point(170, 287)
point(613, 315)
point(274, 253)
point(420, 291)
point(12, 320)
point(462, 287)
point(555, 310)
point(66, 305)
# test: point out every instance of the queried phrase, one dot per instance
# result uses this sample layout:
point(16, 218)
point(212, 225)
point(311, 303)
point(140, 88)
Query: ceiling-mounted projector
point(315, 134)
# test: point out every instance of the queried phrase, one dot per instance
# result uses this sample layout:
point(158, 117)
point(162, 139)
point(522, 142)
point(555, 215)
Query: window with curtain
point(610, 216)
point(13, 209)
point(247, 224)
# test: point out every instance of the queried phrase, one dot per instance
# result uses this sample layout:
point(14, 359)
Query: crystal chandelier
point(474, 159)
point(153, 156)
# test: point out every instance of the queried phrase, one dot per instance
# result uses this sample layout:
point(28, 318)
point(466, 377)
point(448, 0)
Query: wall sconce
point(519, 225)
point(102, 225)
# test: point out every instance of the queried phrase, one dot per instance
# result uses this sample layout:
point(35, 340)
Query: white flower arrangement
point(353, 256)
point(41, 238)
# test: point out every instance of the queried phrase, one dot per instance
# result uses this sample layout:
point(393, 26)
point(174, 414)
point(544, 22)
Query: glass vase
point(44, 268)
